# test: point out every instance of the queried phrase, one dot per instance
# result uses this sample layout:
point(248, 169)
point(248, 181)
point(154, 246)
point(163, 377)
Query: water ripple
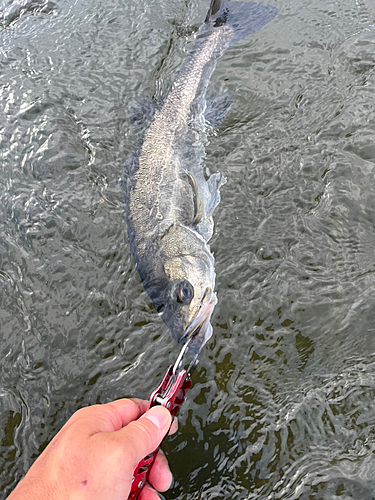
point(282, 402)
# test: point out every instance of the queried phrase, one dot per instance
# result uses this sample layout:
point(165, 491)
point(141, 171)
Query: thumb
point(144, 435)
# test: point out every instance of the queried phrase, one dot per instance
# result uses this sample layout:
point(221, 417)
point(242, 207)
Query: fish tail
point(242, 18)
point(214, 9)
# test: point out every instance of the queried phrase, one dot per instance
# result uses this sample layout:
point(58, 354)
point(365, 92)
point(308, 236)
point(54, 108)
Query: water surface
point(282, 404)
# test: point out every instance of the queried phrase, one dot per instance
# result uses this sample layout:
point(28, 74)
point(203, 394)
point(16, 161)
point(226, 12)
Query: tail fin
point(214, 9)
point(242, 18)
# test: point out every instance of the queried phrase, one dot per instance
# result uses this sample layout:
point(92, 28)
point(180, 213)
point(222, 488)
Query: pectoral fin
point(198, 199)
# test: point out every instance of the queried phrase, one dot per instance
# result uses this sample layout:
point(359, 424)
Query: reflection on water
point(282, 402)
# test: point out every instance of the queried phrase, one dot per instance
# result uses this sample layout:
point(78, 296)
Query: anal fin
point(142, 112)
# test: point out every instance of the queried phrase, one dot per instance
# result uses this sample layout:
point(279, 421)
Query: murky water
point(282, 405)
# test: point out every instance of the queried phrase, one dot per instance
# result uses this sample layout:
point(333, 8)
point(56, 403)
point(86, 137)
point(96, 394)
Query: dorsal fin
point(217, 108)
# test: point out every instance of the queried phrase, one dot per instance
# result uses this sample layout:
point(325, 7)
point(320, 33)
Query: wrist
point(32, 488)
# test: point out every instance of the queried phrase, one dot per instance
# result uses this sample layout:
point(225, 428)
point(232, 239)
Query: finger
point(124, 411)
point(174, 426)
point(144, 435)
point(148, 493)
point(106, 418)
point(160, 476)
point(142, 404)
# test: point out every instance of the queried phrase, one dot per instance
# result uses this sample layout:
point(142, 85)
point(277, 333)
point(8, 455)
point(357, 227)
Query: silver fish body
point(169, 202)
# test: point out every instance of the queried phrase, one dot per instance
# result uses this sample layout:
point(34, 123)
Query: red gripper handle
point(171, 397)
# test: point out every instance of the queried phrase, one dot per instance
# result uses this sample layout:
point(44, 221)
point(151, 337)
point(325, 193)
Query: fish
point(169, 200)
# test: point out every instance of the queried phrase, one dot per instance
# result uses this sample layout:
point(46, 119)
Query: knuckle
point(84, 412)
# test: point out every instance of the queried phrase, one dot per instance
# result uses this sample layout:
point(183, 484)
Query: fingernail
point(158, 416)
point(168, 480)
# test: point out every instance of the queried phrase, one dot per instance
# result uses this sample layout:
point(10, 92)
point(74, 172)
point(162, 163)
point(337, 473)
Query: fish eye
point(183, 292)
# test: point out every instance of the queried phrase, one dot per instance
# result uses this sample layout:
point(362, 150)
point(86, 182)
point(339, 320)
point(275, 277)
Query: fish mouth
point(200, 324)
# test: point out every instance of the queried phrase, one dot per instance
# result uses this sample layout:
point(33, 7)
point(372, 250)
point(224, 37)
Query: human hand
point(93, 456)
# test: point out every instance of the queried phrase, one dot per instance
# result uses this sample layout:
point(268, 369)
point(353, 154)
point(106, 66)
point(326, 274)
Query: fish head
point(183, 292)
point(190, 300)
